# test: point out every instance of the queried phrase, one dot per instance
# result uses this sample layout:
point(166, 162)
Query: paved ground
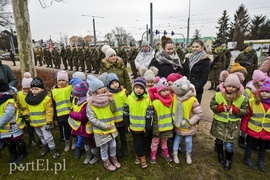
point(207, 96)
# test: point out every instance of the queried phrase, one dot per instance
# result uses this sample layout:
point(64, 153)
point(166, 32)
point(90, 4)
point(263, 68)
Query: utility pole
point(94, 28)
point(188, 24)
point(151, 24)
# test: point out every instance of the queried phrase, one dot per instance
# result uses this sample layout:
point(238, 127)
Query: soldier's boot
point(228, 160)
point(89, 154)
point(220, 153)
point(22, 153)
point(12, 151)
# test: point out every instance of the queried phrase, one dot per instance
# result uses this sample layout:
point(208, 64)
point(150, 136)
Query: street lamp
point(94, 29)
point(188, 24)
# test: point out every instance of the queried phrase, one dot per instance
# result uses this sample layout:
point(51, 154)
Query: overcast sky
point(65, 18)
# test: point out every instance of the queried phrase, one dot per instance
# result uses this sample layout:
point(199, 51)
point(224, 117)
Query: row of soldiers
point(76, 57)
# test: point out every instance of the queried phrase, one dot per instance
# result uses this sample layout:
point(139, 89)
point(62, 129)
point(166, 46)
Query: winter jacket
point(199, 73)
point(100, 139)
point(119, 69)
point(7, 75)
point(164, 70)
point(244, 124)
point(144, 61)
point(227, 131)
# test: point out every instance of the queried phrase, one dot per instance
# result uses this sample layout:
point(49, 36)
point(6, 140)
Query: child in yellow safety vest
point(40, 110)
point(11, 129)
point(27, 79)
point(138, 114)
point(186, 113)
point(111, 81)
point(80, 125)
point(256, 125)
point(162, 121)
point(61, 95)
point(100, 109)
point(228, 105)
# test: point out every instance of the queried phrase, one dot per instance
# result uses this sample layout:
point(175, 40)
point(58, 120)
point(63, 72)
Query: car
point(7, 54)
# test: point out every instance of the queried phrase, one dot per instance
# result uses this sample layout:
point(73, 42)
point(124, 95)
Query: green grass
point(204, 166)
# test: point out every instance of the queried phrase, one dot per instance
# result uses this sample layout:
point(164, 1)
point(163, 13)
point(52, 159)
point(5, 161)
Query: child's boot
point(143, 162)
point(166, 155)
point(89, 154)
point(247, 158)
point(220, 153)
point(108, 165)
point(228, 160)
point(54, 153)
point(67, 145)
point(96, 153)
point(44, 150)
point(175, 157)
point(115, 162)
point(124, 150)
point(137, 159)
point(12, 151)
point(153, 159)
point(22, 153)
point(74, 140)
point(241, 142)
point(77, 153)
point(188, 158)
point(261, 161)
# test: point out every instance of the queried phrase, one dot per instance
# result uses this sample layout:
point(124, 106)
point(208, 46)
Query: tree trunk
point(26, 53)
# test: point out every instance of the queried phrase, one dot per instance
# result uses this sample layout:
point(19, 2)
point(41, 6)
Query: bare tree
point(45, 4)
point(66, 39)
point(5, 16)
point(122, 36)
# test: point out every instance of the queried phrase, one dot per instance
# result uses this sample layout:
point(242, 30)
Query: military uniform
point(75, 58)
point(179, 52)
point(132, 56)
point(96, 61)
point(56, 58)
point(47, 57)
point(81, 59)
point(249, 60)
point(69, 57)
point(122, 53)
point(88, 59)
point(38, 56)
point(64, 57)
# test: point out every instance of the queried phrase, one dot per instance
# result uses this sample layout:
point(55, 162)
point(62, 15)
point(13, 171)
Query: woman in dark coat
point(196, 67)
point(166, 59)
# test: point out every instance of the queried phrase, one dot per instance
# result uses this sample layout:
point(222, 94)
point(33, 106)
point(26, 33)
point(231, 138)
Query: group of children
point(97, 110)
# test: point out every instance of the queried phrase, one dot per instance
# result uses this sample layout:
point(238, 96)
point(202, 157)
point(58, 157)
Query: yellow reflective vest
point(187, 108)
point(38, 113)
point(164, 116)
point(137, 112)
point(105, 115)
point(249, 93)
point(19, 123)
point(226, 116)
point(120, 99)
point(61, 97)
point(260, 119)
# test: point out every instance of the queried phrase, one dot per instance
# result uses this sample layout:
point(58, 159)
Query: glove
point(222, 108)
point(235, 110)
point(48, 127)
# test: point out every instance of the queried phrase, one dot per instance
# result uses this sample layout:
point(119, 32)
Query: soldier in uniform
point(47, 57)
point(96, 56)
point(56, 58)
point(249, 60)
point(122, 53)
point(38, 56)
point(88, 59)
point(63, 56)
point(81, 58)
point(227, 54)
point(218, 64)
point(69, 57)
point(132, 56)
point(179, 51)
point(75, 57)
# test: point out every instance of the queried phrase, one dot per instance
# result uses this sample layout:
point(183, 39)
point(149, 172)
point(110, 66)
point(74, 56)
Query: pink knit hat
point(174, 76)
point(258, 75)
point(62, 75)
point(232, 80)
point(266, 85)
point(161, 83)
point(27, 79)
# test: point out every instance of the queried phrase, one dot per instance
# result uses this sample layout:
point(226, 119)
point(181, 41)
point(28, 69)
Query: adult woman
point(114, 64)
point(166, 59)
point(196, 67)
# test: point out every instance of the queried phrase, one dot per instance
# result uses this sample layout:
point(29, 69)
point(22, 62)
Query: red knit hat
point(174, 76)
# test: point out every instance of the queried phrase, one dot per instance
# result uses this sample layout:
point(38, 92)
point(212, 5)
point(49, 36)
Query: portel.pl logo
point(39, 165)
